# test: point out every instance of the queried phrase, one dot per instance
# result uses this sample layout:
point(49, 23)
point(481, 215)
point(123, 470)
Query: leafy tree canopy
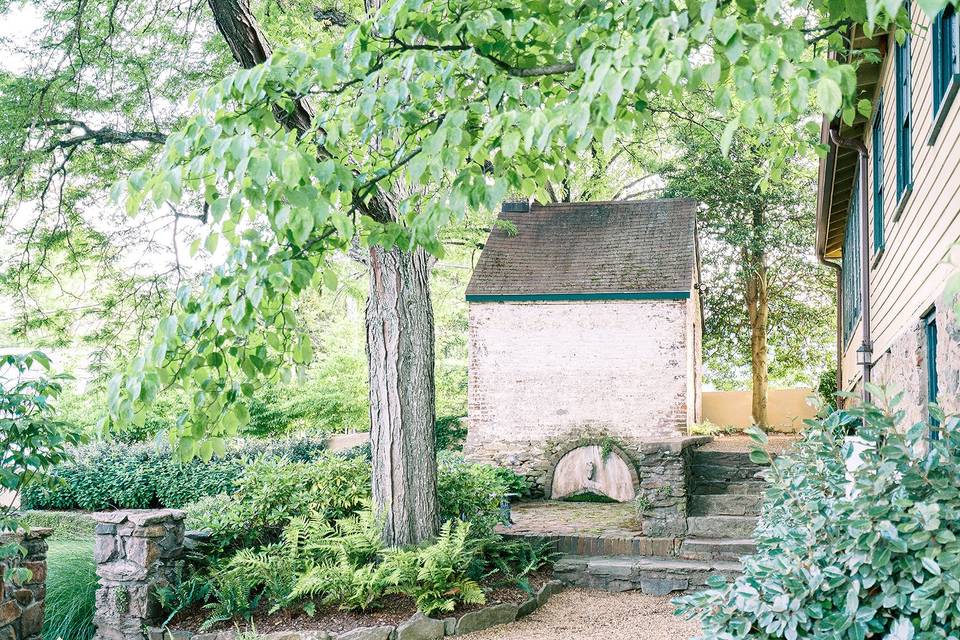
point(457, 104)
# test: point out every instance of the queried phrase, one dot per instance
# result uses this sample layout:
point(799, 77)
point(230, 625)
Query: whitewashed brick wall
point(544, 375)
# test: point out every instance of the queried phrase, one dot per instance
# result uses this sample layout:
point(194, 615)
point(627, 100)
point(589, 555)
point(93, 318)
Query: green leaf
point(829, 95)
point(726, 138)
point(724, 29)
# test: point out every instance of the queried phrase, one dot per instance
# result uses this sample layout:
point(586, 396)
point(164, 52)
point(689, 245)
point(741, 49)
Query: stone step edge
point(654, 563)
point(418, 627)
point(721, 526)
point(731, 542)
point(603, 545)
point(703, 548)
point(652, 576)
point(724, 504)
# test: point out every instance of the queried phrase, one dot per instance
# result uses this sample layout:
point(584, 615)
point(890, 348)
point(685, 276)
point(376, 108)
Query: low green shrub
point(71, 589)
point(474, 492)
point(270, 492)
point(875, 556)
point(134, 476)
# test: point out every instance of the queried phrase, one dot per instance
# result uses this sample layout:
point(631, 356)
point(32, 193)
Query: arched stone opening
point(601, 470)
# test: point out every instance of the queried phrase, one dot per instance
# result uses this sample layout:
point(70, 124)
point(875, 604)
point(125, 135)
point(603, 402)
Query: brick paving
point(553, 517)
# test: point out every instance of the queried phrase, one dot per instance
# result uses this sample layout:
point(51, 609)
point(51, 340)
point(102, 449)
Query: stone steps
point(601, 545)
point(714, 487)
point(725, 504)
point(724, 466)
point(650, 575)
point(716, 548)
point(721, 526)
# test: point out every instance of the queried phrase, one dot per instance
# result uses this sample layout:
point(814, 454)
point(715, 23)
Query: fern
point(345, 564)
point(441, 580)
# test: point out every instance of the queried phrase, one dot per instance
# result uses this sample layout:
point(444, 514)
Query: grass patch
point(66, 525)
point(71, 589)
point(589, 497)
point(707, 428)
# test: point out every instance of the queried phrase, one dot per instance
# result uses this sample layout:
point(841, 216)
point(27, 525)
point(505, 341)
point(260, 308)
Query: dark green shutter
point(933, 384)
point(878, 233)
point(904, 117)
point(850, 267)
point(943, 32)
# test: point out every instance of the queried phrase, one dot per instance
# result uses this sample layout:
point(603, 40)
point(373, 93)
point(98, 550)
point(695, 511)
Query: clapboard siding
point(910, 273)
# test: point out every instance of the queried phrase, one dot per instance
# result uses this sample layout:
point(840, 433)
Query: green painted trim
point(571, 297)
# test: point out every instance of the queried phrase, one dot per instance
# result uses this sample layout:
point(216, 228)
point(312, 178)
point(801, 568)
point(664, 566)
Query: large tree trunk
point(399, 336)
point(758, 309)
point(402, 408)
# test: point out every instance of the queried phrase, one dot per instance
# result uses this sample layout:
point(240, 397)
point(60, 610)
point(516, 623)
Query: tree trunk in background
point(758, 309)
point(402, 397)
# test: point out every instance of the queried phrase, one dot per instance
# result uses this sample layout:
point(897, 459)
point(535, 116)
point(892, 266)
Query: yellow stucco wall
point(787, 408)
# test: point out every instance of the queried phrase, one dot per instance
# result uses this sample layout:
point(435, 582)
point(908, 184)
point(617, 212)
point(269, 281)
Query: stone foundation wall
point(136, 552)
point(544, 374)
point(22, 603)
point(903, 366)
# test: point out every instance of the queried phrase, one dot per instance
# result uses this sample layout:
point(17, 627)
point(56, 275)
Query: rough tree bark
point(399, 337)
point(758, 310)
point(402, 396)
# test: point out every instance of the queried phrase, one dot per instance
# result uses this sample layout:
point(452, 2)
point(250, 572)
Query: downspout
point(865, 352)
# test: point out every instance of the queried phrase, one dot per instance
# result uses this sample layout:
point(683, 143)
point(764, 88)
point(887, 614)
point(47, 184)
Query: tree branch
point(102, 136)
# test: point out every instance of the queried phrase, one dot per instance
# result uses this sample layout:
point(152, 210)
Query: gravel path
point(597, 615)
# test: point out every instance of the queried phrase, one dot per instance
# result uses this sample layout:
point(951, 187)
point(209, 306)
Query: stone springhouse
point(584, 341)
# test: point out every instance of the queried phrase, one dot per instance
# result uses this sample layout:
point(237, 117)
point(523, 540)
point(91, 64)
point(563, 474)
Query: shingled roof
point(590, 250)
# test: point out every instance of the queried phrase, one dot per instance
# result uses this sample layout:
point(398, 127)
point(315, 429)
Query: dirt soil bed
point(394, 610)
point(597, 615)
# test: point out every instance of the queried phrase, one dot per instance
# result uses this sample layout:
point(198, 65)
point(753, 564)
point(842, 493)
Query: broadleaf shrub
point(269, 493)
point(868, 553)
point(474, 492)
point(133, 476)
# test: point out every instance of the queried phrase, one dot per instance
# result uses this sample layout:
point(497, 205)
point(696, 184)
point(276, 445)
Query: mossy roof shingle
point(591, 248)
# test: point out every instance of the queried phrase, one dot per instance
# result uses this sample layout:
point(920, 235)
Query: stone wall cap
point(674, 444)
point(138, 517)
point(39, 533)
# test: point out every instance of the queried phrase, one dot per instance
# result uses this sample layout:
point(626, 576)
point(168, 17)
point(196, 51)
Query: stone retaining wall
point(22, 603)
point(136, 552)
point(663, 470)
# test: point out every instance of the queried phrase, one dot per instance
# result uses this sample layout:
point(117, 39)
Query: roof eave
point(831, 214)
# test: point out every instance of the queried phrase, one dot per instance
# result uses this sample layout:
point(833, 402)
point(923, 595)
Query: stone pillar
point(136, 552)
point(21, 603)
point(662, 497)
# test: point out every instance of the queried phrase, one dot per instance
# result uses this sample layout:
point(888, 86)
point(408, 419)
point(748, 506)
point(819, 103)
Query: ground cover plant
point(875, 554)
point(295, 534)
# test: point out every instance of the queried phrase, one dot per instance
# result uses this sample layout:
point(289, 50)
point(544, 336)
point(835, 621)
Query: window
point(930, 338)
point(850, 268)
point(878, 177)
point(904, 117)
point(945, 65)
